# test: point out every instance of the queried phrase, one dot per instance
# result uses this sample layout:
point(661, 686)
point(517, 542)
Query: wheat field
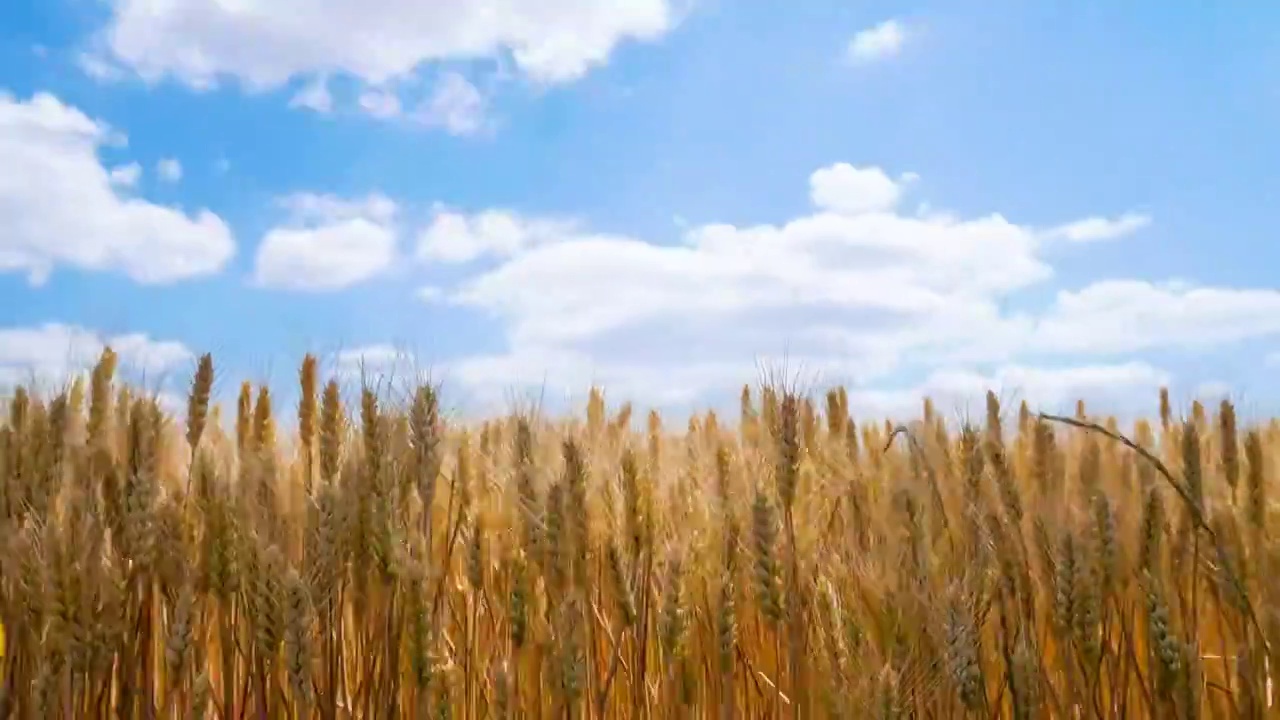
point(787, 563)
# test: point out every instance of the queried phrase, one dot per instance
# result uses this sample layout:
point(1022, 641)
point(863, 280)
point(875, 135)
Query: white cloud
point(454, 237)
point(878, 42)
point(879, 270)
point(1097, 229)
point(845, 189)
point(389, 367)
point(139, 351)
point(851, 290)
point(169, 170)
point(314, 95)
point(1213, 390)
point(431, 293)
point(381, 104)
point(49, 354)
point(566, 374)
point(372, 357)
point(455, 105)
point(50, 154)
point(98, 68)
point(858, 290)
point(328, 243)
point(313, 207)
point(266, 43)
point(126, 176)
point(1123, 389)
point(1124, 316)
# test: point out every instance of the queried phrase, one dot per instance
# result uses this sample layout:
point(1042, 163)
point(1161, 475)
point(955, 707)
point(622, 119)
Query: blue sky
point(656, 195)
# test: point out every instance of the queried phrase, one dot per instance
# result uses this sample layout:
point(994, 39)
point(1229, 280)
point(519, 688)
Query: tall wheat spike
point(791, 562)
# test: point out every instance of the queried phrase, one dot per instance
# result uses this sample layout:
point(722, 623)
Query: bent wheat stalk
point(1193, 509)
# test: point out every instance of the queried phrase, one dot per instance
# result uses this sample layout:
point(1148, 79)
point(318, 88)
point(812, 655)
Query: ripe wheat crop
point(386, 562)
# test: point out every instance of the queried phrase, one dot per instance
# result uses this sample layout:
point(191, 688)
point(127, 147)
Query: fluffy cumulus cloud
point(327, 243)
point(455, 105)
point(266, 43)
point(454, 237)
point(878, 42)
point(853, 263)
point(849, 190)
point(50, 155)
point(48, 354)
point(1122, 316)
point(856, 290)
point(126, 176)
